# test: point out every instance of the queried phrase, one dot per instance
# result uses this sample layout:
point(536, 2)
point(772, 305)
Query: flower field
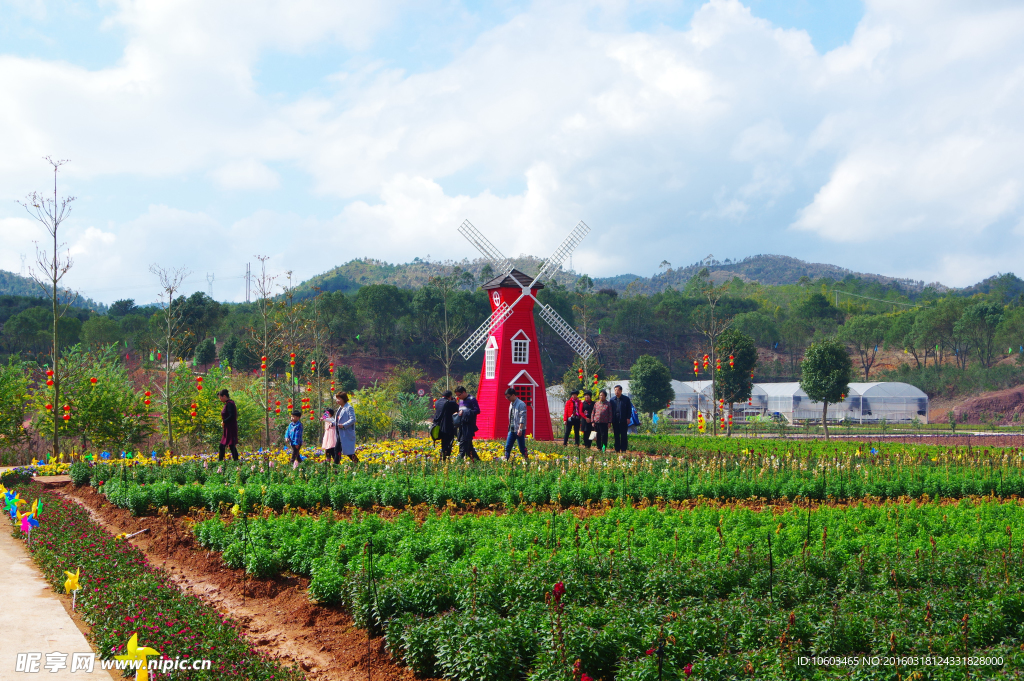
point(708, 559)
point(122, 594)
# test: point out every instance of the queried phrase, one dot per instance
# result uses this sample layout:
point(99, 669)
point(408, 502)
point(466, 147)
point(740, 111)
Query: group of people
point(339, 430)
point(454, 419)
point(455, 415)
point(593, 418)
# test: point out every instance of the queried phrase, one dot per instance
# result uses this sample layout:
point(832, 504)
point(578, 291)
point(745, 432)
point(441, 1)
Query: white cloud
point(245, 174)
point(728, 131)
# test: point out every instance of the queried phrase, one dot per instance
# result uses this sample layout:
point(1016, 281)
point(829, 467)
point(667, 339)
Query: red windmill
point(511, 356)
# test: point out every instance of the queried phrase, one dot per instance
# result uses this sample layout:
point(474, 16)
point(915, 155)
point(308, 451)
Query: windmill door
point(526, 388)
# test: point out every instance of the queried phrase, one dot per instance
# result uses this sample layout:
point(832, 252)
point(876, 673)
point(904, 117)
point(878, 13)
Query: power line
point(887, 302)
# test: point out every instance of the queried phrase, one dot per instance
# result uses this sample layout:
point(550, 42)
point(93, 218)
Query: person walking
point(622, 414)
point(572, 415)
point(345, 422)
point(516, 424)
point(587, 414)
point(293, 437)
point(229, 425)
point(444, 409)
point(469, 408)
point(601, 418)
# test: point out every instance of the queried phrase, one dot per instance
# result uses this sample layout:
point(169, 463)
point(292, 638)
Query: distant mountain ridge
point(12, 284)
point(773, 270)
point(764, 269)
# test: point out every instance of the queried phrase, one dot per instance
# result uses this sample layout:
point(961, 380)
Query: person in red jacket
point(572, 416)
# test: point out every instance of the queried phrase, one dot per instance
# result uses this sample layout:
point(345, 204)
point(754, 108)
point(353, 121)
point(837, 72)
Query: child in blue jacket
point(293, 436)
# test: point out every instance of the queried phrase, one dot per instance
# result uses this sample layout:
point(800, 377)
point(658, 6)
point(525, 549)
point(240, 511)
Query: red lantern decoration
point(49, 372)
point(67, 417)
point(49, 407)
point(718, 363)
point(148, 394)
point(730, 362)
point(199, 386)
point(49, 383)
point(93, 380)
point(67, 407)
point(146, 402)
point(292, 355)
point(277, 403)
point(277, 410)
point(199, 379)
point(263, 359)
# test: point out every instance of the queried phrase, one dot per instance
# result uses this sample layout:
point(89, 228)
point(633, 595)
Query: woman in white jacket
point(345, 422)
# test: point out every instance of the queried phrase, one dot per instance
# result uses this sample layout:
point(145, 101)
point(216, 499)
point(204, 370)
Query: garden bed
point(275, 615)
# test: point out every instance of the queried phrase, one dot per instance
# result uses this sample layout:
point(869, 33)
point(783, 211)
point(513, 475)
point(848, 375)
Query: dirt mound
point(1000, 407)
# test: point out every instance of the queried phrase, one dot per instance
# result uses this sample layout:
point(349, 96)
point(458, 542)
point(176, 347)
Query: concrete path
point(34, 620)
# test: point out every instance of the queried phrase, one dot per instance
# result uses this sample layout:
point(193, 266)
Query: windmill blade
point(575, 341)
point(562, 252)
point(498, 261)
point(477, 338)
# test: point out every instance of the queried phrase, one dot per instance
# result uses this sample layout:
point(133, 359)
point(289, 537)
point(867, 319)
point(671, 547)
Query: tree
point(979, 324)
point(709, 324)
point(901, 335)
point(13, 391)
point(825, 374)
point(650, 384)
point(266, 337)
point(382, 305)
point(106, 409)
point(759, 326)
point(206, 352)
point(865, 333)
point(450, 319)
point(50, 269)
point(345, 378)
point(816, 308)
point(122, 308)
point(100, 330)
point(171, 329)
point(734, 381)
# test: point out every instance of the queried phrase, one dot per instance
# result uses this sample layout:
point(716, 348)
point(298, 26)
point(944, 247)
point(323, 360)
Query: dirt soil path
point(276, 615)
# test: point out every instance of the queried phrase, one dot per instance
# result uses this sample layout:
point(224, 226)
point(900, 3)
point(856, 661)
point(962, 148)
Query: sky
point(881, 136)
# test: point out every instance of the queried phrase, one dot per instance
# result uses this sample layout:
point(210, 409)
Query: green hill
point(12, 284)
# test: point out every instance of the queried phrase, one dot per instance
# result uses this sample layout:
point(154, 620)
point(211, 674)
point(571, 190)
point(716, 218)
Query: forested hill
point(12, 284)
point(774, 270)
point(763, 269)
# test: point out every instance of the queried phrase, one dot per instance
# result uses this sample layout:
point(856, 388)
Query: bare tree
point(294, 330)
point(50, 268)
point(583, 313)
point(711, 325)
point(266, 334)
point(452, 324)
point(170, 282)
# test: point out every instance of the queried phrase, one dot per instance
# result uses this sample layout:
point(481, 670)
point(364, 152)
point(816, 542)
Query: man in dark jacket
point(444, 409)
point(622, 413)
point(468, 411)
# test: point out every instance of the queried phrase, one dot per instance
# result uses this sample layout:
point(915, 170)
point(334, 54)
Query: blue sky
point(880, 136)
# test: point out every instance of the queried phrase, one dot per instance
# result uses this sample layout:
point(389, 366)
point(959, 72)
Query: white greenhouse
point(867, 402)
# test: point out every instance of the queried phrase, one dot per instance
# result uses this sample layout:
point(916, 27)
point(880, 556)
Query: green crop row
point(472, 596)
point(564, 483)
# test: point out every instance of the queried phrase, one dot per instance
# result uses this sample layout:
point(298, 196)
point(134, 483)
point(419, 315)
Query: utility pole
point(209, 279)
point(248, 278)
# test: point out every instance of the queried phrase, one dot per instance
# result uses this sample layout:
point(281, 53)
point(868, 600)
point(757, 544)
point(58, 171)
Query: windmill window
point(520, 351)
point(490, 362)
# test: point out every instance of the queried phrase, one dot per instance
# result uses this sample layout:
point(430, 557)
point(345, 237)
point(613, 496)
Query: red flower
point(688, 669)
point(559, 591)
point(650, 651)
point(586, 677)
